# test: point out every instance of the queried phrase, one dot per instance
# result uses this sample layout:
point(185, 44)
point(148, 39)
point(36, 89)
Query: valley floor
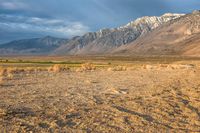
point(135, 100)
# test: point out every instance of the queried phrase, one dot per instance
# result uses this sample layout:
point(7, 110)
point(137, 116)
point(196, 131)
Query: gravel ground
point(138, 100)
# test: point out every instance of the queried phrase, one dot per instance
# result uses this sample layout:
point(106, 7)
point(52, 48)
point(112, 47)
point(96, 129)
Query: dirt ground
point(135, 100)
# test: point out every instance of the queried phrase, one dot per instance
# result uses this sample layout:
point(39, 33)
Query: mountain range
point(34, 46)
point(169, 34)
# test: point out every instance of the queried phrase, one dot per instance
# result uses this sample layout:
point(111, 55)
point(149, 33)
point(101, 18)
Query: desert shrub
point(16, 70)
point(12, 70)
point(1, 80)
point(10, 73)
point(88, 67)
point(37, 69)
point(58, 68)
point(164, 65)
point(79, 70)
point(3, 71)
point(149, 67)
point(2, 74)
point(146, 67)
point(118, 68)
point(31, 69)
point(187, 66)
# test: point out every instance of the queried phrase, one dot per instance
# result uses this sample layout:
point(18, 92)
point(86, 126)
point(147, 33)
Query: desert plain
point(100, 96)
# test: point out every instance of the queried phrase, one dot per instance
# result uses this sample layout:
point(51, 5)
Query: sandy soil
point(138, 100)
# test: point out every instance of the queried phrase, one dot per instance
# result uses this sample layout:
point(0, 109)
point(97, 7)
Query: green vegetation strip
point(38, 62)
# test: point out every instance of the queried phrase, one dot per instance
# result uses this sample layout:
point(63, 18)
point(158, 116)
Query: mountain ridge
point(31, 46)
point(179, 37)
point(103, 41)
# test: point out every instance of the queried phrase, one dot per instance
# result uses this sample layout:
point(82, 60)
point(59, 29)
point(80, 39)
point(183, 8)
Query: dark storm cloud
point(66, 18)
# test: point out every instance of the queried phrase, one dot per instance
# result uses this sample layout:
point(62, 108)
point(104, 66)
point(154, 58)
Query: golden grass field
point(98, 95)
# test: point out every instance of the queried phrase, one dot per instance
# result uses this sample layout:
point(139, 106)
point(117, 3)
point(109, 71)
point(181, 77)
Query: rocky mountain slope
point(33, 46)
point(103, 41)
point(177, 37)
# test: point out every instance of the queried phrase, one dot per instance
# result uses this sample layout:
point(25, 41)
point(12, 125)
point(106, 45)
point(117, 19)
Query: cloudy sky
point(21, 19)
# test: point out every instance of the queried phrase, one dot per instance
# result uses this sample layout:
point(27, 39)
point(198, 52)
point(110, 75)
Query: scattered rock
point(29, 128)
point(20, 112)
point(73, 115)
point(61, 123)
point(98, 100)
point(70, 123)
point(43, 125)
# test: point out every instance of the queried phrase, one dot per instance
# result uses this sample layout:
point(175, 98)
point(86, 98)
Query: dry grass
point(149, 67)
point(155, 100)
point(86, 67)
point(58, 68)
point(168, 66)
point(10, 75)
point(159, 98)
point(15, 70)
point(10, 72)
point(1, 80)
point(2, 71)
point(118, 68)
point(2, 74)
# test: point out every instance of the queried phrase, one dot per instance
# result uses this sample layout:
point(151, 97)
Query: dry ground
point(154, 99)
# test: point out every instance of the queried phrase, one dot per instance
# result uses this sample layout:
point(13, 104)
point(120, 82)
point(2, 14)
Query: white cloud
point(13, 5)
point(45, 26)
